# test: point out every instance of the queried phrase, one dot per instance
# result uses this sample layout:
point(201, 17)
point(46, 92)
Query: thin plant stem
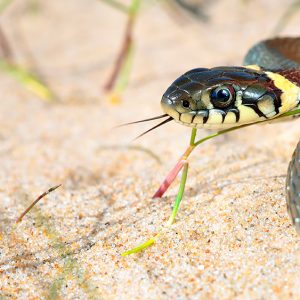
point(169, 179)
point(116, 4)
point(31, 79)
point(182, 163)
point(126, 50)
point(179, 195)
point(35, 202)
point(171, 218)
point(176, 169)
point(178, 166)
point(290, 113)
point(141, 247)
point(126, 45)
point(193, 136)
point(33, 64)
point(5, 46)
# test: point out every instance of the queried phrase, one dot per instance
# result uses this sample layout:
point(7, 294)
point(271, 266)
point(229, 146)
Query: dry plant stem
point(5, 47)
point(179, 165)
point(175, 13)
point(173, 173)
point(27, 53)
point(30, 58)
point(127, 42)
point(35, 202)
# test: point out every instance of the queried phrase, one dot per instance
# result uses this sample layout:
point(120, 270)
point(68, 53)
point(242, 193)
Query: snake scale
point(265, 87)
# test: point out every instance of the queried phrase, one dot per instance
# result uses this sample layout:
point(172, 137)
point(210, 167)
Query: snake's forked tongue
point(150, 119)
point(154, 127)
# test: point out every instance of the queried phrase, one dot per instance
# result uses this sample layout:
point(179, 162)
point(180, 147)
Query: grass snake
point(265, 87)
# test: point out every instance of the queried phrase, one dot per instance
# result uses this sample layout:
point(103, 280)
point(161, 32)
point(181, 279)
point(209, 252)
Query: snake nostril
point(166, 100)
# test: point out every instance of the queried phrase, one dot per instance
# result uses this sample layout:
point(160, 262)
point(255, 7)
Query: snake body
point(265, 87)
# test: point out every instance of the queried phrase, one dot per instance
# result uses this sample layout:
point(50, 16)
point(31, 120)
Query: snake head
point(221, 97)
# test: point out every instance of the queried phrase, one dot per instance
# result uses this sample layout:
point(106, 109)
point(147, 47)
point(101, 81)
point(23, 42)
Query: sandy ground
point(232, 238)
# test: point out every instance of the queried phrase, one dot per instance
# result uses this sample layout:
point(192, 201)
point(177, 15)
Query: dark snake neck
point(279, 55)
point(292, 75)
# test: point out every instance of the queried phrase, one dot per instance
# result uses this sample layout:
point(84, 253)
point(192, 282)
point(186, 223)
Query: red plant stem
point(169, 179)
point(173, 173)
point(127, 41)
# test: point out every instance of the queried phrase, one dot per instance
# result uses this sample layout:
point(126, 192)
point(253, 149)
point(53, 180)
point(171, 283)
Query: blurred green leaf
point(4, 4)
point(118, 80)
point(117, 5)
point(124, 74)
point(114, 96)
point(28, 80)
point(134, 7)
point(33, 6)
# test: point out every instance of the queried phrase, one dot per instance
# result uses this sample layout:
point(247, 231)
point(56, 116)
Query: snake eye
point(185, 103)
point(222, 96)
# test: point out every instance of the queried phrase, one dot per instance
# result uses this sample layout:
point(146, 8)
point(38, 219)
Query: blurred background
point(79, 49)
point(70, 71)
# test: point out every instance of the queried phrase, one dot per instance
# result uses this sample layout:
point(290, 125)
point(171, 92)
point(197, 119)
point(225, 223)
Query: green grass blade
point(124, 74)
point(134, 7)
point(141, 247)
point(193, 136)
point(290, 113)
point(4, 4)
point(30, 81)
point(179, 195)
point(115, 4)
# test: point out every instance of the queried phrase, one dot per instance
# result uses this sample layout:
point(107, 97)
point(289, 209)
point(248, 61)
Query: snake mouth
point(193, 118)
point(212, 118)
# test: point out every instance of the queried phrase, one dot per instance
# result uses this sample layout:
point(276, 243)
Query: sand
point(232, 238)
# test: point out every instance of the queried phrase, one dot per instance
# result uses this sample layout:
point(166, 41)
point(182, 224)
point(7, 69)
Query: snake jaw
point(200, 118)
point(209, 118)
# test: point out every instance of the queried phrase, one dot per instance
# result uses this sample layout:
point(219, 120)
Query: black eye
point(222, 97)
point(185, 103)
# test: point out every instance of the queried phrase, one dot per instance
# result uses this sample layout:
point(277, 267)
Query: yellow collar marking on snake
point(290, 92)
